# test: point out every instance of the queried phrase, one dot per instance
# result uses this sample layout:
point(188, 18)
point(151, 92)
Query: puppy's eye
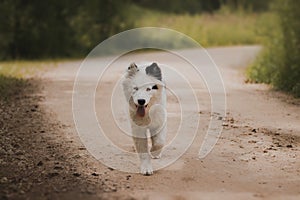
point(148, 89)
point(154, 87)
point(136, 88)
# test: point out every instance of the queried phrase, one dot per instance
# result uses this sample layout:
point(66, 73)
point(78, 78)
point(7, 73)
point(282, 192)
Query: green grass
point(279, 63)
point(25, 69)
point(219, 29)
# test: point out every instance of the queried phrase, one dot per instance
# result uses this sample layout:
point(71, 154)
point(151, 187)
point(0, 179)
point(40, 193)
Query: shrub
point(279, 63)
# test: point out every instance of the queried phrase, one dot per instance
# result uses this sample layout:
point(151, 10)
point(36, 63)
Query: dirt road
point(256, 157)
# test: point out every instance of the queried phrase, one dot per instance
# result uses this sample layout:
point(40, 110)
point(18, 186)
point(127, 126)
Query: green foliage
point(59, 28)
point(279, 63)
point(96, 20)
point(179, 6)
point(35, 28)
point(200, 6)
point(245, 5)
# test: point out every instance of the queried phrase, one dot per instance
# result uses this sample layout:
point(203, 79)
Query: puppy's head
point(143, 97)
point(142, 87)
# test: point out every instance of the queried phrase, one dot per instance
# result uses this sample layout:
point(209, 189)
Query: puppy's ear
point(132, 69)
point(154, 70)
point(132, 66)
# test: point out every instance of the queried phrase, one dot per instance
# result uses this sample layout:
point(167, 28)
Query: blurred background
point(65, 29)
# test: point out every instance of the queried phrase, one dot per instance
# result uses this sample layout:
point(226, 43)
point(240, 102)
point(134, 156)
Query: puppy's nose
point(141, 102)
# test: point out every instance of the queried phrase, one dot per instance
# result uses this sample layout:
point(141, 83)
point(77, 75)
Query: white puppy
point(144, 90)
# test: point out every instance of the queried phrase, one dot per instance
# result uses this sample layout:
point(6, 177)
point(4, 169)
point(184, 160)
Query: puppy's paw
point(146, 170)
point(156, 152)
point(155, 155)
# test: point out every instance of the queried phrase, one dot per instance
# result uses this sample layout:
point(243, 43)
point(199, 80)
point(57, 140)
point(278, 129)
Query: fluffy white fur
point(144, 90)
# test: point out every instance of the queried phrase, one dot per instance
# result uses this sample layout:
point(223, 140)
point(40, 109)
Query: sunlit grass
point(219, 29)
point(25, 69)
point(14, 75)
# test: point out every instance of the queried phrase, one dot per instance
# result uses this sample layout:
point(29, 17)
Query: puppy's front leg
point(158, 142)
point(141, 145)
point(158, 129)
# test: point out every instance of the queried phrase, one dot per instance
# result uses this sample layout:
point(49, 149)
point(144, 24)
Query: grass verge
point(11, 87)
point(25, 69)
point(14, 76)
point(279, 63)
point(219, 29)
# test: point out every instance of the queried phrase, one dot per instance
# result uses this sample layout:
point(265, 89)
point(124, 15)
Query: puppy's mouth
point(141, 110)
